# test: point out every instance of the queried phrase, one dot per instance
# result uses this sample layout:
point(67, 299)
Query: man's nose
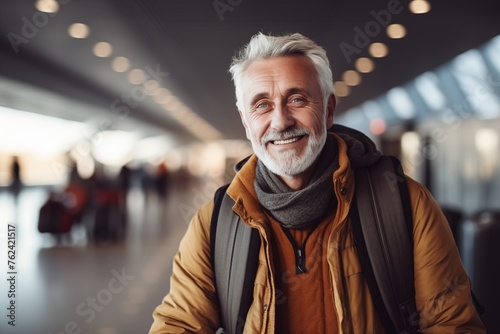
point(281, 119)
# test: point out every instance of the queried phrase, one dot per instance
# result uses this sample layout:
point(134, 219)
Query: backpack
point(382, 226)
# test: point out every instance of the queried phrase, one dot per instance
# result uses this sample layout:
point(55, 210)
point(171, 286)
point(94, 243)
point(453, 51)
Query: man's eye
point(298, 101)
point(262, 105)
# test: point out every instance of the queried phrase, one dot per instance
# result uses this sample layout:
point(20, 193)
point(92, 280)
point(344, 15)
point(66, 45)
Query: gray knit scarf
point(304, 208)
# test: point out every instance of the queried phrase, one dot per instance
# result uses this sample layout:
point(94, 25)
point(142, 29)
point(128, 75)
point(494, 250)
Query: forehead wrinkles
point(273, 77)
point(272, 85)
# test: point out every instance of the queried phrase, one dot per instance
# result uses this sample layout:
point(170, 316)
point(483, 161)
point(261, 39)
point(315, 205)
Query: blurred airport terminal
point(117, 121)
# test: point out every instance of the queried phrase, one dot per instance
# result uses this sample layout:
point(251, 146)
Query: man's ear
point(247, 132)
point(331, 104)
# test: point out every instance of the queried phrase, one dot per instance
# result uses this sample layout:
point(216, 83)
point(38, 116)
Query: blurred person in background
point(162, 180)
point(15, 171)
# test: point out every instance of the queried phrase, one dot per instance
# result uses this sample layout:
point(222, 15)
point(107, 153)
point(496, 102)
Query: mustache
point(278, 135)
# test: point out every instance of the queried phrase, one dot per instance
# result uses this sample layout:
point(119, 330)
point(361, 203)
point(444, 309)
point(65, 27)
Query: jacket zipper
point(300, 251)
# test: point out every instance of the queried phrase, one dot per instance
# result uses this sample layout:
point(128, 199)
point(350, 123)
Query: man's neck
point(296, 182)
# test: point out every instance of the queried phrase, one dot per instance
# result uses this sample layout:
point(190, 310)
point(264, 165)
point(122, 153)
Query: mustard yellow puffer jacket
point(441, 284)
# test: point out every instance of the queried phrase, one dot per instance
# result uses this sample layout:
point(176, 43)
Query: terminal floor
point(75, 286)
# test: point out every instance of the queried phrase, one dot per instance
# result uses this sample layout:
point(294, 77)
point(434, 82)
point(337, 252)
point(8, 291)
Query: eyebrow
point(290, 91)
point(258, 97)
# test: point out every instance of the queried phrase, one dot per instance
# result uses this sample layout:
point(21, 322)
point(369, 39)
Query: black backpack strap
point(381, 219)
point(235, 250)
point(219, 195)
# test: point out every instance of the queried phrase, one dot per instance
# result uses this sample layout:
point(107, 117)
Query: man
point(297, 190)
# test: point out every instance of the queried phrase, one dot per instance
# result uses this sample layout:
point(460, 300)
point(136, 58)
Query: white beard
point(288, 163)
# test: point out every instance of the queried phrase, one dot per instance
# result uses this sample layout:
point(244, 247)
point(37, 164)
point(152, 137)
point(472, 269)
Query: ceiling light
point(420, 6)
point(396, 31)
point(47, 6)
point(120, 64)
point(163, 95)
point(136, 76)
point(192, 122)
point(172, 103)
point(341, 89)
point(79, 30)
point(364, 65)
point(351, 78)
point(378, 50)
point(151, 87)
point(103, 49)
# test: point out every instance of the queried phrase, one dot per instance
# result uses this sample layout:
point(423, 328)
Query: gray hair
point(263, 47)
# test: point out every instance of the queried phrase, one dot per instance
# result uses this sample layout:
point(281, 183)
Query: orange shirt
point(304, 302)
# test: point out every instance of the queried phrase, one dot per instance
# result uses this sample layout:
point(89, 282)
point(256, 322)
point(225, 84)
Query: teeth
point(286, 141)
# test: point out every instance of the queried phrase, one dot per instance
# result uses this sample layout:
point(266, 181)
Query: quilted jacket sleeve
point(441, 284)
point(191, 305)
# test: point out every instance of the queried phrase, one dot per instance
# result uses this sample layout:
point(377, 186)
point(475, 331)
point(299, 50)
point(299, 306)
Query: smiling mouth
point(286, 141)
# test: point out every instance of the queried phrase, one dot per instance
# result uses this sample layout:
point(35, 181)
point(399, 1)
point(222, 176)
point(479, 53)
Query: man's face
point(283, 113)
